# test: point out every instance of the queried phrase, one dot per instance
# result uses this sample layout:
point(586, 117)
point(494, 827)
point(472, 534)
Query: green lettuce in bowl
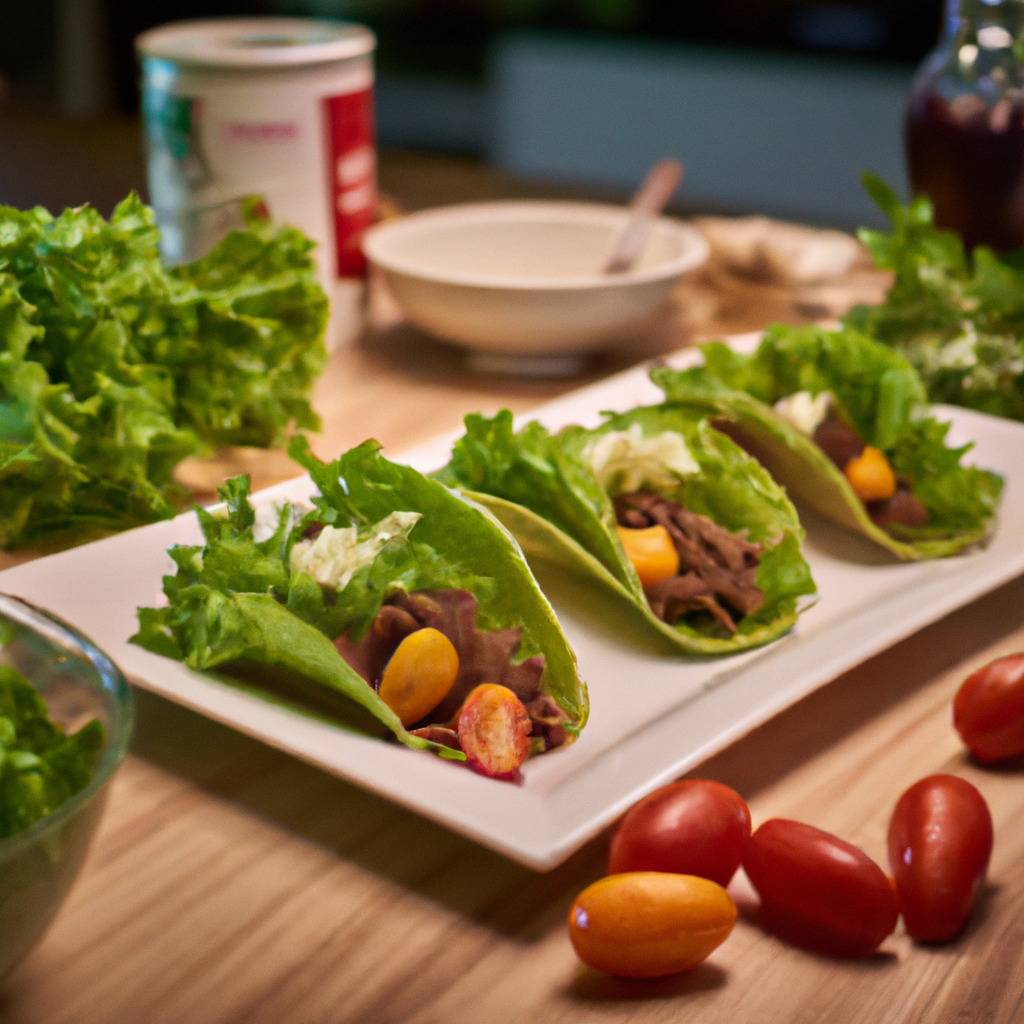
point(66, 716)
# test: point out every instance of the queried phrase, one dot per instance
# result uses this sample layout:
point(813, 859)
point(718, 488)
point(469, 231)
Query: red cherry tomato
point(988, 711)
point(693, 827)
point(940, 840)
point(818, 891)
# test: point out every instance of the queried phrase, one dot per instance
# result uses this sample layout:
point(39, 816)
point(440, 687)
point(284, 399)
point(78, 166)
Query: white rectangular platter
point(654, 715)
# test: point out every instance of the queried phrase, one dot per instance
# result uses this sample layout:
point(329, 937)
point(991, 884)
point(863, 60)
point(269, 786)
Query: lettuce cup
point(842, 422)
point(393, 603)
point(655, 505)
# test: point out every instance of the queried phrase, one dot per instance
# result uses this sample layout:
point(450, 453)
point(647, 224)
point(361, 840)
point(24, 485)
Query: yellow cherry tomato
point(647, 924)
point(871, 476)
point(652, 553)
point(419, 675)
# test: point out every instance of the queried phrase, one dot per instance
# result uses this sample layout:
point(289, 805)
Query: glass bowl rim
point(119, 729)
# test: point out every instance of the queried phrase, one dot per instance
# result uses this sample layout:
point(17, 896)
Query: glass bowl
point(78, 682)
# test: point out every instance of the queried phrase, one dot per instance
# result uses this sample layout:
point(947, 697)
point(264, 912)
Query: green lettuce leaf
point(880, 394)
point(958, 317)
point(40, 765)
point(236, 604)
point(545, 492)
point(113, 368)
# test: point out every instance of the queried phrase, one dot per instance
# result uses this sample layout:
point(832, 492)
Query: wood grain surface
point(231, 883)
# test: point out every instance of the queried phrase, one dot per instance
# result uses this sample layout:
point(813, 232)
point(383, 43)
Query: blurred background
point(775, 105)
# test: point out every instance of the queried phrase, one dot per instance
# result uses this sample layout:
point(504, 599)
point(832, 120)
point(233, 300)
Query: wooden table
point(230, 883)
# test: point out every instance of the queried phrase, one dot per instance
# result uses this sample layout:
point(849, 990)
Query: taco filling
point(391, 602)
point(656, 506)
point(887, 495)
point(843, 423)
point(715, 569)
point(481, 656)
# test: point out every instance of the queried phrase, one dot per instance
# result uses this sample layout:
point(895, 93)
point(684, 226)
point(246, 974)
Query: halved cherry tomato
point(818, 891)
point(693, 827)
point(493, 727)
point(940, 841)
point(988, 711)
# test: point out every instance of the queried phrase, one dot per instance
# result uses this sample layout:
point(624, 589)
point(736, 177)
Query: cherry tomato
point(693, 827)
point(647, 924)
point(988, 711)
point(818, 891)
point(940, 840)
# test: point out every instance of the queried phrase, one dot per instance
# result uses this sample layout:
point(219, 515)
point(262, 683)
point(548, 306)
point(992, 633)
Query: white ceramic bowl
point(522, 278)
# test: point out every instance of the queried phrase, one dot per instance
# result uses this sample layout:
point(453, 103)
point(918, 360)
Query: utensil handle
point(658, 187)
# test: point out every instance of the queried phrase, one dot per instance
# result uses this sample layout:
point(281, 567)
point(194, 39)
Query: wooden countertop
point(231, 883)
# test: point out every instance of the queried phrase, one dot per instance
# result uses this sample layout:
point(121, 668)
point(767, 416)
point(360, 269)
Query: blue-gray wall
point(778, 134)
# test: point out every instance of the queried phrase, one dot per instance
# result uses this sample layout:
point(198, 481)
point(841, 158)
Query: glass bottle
point(965, 123)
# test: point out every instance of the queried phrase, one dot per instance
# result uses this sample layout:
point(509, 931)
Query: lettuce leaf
point(236, 604)
point(113, 368)
point(958, 317)
point(533, 469)
point(880, 394)
point(540, 486)
point(40, 765)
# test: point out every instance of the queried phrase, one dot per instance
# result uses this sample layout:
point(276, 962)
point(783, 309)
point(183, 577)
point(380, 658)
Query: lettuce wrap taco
point(392, 599)
point(655, 505)
point(843, 423)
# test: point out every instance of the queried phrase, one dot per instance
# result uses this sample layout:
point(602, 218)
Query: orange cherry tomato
point(988, 711)
point(692, 827)
point(940, 841)
point(419, 674)
point(870, 475)
point(651, 552)
point(647, 924)
point(819, 891)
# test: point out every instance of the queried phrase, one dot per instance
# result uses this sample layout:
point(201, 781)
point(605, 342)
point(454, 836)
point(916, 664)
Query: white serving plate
point(654, 715)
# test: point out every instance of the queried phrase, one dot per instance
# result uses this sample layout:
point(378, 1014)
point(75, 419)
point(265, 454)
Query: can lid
point(248, 43)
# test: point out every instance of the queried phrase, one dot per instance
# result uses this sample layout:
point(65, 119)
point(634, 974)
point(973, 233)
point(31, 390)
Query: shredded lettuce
point(113, 368)
point(958, 317)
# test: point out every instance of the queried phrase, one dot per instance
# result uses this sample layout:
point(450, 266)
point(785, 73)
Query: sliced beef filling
point(717, 568)
point(841, 443)
point(485, 656)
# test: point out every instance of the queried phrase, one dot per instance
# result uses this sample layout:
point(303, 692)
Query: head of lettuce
point(843, 423)
point(654, 505)
point(392, 603)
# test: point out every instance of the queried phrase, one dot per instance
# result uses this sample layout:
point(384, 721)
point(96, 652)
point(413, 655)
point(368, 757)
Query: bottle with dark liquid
point(965, 124)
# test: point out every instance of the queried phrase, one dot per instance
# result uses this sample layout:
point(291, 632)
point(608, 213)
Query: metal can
point(278, 107)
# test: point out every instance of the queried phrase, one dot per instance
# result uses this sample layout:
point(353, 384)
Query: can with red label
point(278, 107)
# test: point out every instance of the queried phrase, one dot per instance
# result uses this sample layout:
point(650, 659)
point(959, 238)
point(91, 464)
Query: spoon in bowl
point(650, 198)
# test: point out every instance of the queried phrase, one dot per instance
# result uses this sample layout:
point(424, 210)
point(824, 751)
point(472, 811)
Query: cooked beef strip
point(673, 598)
point(838, 440)
point(313, 531)
point(548, 721)
point(902, 509)
point(485, 656)
point(716, 565)
point(369, 655)
point(439, 734)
